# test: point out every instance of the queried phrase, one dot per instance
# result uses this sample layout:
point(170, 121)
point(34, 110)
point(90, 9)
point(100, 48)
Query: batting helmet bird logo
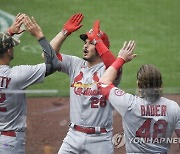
point(102, 34)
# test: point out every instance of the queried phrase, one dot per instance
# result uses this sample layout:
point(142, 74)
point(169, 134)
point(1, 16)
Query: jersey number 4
point(2, 99)
point(159, 127)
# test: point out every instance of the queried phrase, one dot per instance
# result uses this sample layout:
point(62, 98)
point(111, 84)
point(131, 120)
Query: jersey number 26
point(96, 102)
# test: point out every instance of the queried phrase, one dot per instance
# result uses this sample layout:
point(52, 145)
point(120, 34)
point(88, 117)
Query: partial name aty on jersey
point(153, 110)
point(4, 81)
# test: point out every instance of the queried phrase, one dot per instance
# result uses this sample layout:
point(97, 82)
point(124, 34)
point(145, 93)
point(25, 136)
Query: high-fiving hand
point(32, 26)
point(94, 34)
point(126, 52)
point(15, 28)
point(73, 24)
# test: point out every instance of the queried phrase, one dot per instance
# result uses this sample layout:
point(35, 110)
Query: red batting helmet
point(103, 36)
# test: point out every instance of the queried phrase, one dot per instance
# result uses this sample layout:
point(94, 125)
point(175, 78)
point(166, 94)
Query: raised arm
point(102, 47)
point(72, 25)
point(125, 55)
point(51, 61)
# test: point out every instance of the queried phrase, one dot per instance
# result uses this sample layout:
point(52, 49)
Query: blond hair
point(149, 83)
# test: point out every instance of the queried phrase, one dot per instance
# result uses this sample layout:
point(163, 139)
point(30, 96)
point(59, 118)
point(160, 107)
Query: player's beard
point(91, 58)
point(12, 58)
point(86, 59)
point(11, 54)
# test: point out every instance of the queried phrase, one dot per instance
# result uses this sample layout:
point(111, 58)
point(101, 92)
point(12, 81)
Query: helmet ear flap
point(102, 34)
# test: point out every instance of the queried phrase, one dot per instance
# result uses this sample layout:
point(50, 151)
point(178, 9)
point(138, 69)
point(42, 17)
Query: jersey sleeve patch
point(119, 92)
point(105, 89)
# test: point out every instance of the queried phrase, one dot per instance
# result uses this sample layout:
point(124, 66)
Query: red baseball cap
point(103, 36)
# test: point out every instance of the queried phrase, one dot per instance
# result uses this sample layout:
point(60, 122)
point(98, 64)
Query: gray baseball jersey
point(12, 104)
point(87, 106)
point(147, 126)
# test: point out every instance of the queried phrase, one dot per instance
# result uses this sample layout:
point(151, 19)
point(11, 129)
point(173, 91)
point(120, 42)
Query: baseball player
point(90, 114)
point(148, 118)
point(12, 102)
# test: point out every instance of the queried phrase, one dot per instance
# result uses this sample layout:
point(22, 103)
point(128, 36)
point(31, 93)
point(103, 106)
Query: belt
point(90, 130)
point(8, 133)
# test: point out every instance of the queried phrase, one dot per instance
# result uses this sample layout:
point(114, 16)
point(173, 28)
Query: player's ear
point(9, 51)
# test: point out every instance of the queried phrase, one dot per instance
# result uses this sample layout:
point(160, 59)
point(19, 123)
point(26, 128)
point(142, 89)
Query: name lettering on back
point(4, 81)
point(153, 110)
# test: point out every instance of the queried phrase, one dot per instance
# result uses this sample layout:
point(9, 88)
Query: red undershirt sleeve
point(106, 55)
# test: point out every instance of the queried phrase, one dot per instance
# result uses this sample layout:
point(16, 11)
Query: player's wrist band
point(65, 32)
point(94, 41)
point(118, 63)
point(10, 32)
point(41, 38)
point(59, 56)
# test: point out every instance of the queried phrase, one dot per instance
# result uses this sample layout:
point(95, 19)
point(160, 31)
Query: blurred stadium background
point(153, 24)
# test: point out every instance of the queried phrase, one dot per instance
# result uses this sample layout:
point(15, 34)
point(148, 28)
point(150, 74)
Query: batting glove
point(94, 34)
point(73, 24)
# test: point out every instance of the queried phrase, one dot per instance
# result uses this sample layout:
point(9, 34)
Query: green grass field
point(153, 24)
